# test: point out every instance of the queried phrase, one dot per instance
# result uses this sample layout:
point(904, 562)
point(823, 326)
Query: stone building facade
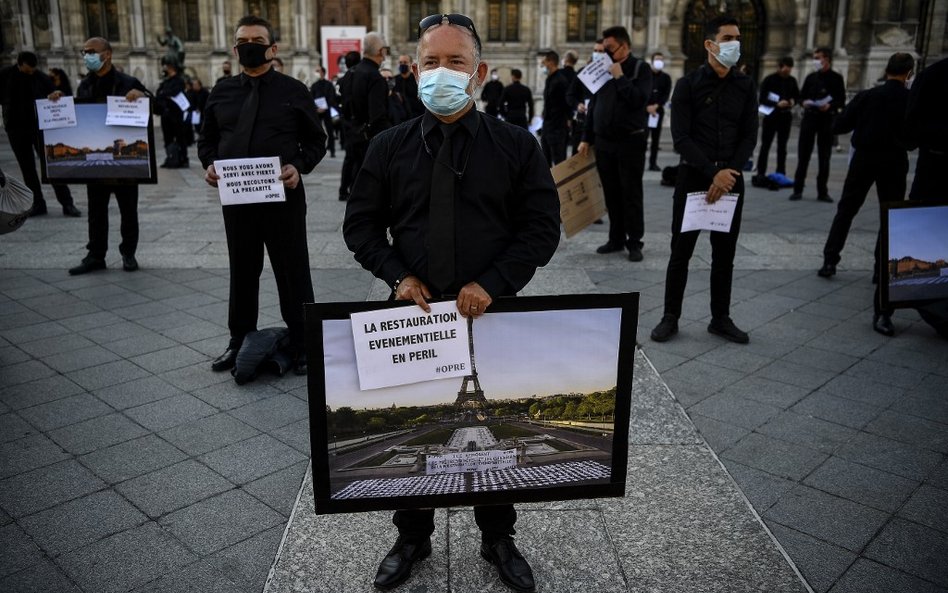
point(862, 33)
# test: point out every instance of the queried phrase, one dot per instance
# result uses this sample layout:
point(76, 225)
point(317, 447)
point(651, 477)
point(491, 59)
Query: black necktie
point(441, 215)
point(248, 116)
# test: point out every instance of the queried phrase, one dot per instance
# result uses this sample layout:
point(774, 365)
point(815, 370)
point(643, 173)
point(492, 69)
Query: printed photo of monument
point(93, 150)
point(917, 266)
point(536, 411)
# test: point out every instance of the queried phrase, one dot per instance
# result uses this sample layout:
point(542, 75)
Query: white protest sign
point(122, 112)
point(195, 118)
point(249, 181)
point(470, 461)
point(773, 97)
point(322, 103)
point(653, 120)
point(702, 216)
point(406, 345)
point(181, 100)
point(596, 73)
point(765, 109)
point(56, 114)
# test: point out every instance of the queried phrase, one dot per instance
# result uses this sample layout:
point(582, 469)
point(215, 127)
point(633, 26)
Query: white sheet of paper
point(596, 73)
point(333, 113)
point(181, 100)
point(406, 345)
point(773, 97)
point(765, 109)
point(195, 118)
point(535, 124)
point(249, 181)
point(56, 114)
point(702, 216)
point(820, 102)
point(120, 112)
point(653, 120)
point(322, 103)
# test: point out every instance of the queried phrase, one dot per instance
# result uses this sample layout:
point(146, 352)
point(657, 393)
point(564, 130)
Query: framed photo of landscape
point(541, 413)
point(93, 152)
point(915, 249)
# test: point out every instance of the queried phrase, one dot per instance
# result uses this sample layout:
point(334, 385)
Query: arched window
point(184, 19)
point(102, 19)
point(582, 20)
point(269, 10)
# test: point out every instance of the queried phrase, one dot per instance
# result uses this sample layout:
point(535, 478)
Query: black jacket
point(617, 111)
point(785, 88)
point(365, 104)
point(516, 101)
point(112, 84)
point(556, 111)
point(875, 117)
point(926, 123)
point(661, 89)
point(18, 91)
point(818, 85)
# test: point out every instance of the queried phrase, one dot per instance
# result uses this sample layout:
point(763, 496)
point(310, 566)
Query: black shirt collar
point(469, 122)
point(264, 78)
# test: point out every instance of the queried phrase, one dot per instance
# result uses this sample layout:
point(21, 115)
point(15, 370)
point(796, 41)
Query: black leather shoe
point(71, 210)
point(824, 198)
point(129, 263)
point(665, 329)
point(725, 328)
point(299, 364)
point(609, 247)
point(654, 167)
point(88, 264)
point(226, 361)
point(827, 270)
point(635, 254)
point(883, 325)
point(796, 196)
point(395, 568)
point(38, 210)
point(513, 569)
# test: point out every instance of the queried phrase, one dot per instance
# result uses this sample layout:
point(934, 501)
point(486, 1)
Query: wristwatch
point(399, 280)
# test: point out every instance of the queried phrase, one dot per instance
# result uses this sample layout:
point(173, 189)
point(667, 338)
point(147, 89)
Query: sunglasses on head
point(454, 19)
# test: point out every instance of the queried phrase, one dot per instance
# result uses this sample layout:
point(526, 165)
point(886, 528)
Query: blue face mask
point(729, 52)
point(444, 91)
point(93, 62)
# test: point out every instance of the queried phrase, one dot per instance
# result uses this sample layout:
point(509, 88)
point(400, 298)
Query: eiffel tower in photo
point(471, 395)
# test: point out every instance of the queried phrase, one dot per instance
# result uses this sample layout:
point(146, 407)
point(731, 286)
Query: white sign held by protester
point(702, 216)
point(56, 114)
point(321, 103)
point(406, 345)
point(249, 181)
point(653, 120)
point(122, 112)
point(596, 73)
point(181, 100)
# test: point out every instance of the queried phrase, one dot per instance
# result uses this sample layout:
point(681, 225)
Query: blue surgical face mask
point(444, 91)
point(729, 52)
point(93, 62)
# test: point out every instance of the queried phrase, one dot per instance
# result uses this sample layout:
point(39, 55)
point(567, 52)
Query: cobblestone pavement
point(125, 464)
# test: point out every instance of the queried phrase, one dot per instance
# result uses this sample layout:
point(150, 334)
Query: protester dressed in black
point(173, 126)
point(715, 130)
point(779, 91)
point(516, 102)
point(263, 113)
point(661, 92)
point(926, 128)
point(325, 89)
point(554, 135)
point(491, 94)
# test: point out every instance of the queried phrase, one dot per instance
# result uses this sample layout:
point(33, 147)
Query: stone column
point(652, 41)
point(811, 23)
point(55, 26)
point(26, 25)
point(841, 56)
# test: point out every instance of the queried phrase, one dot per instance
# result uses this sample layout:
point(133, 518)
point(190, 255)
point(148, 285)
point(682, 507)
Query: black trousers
point(330, 135)
point(127, 198)
point(494, 521)
point(621, 165)
point(553, 141)
point(777, 124)
point(24, 145)
point(655, 134)
point(518, 120)
point(281, 228)
point(351, 164)
point(174, 130)
point(723, 247)
point(816, 128)
point(929, 182)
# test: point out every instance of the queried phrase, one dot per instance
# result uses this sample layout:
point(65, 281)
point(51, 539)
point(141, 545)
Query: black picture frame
point(72, 169)
point(919, 227)
point(622, 307)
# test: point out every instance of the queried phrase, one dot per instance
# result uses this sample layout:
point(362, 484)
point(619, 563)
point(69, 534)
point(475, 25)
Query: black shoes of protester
point(397, 564)
point(513, 569)
point(299, 364)
point(665, 329)
point(88, 264)
point(796, 196)
point(883, 325)
point(226, 361)
point(826, 271)
point(38, 210)
point(635, 254)
point(725, 328)
point(71, 210)
point(824, 198)
point(129, 263)
point(609, 247)
point(654, 167)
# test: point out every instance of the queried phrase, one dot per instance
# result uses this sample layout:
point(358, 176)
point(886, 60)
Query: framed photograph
point(541, 413)
point(915, 249)
point(93, 152)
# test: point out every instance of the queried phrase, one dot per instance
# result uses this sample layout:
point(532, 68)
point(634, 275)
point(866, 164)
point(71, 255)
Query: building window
point(102, 19)
point(582, 20)
point(183, 18)
point(417, 10)
point(268, 10)
point(503, 20)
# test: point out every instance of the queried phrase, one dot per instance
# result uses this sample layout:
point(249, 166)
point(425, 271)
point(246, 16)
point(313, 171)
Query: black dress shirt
point(715, 119)
point(366, 98)
point(287, 123)
point(784, 87)
point(325, 89)
point(661, 88)
point(617, 110)
point(926, 124)
point(875, 117)
point(556, 112)
point(516, 101)
point(169, 88)
point(111, 84)
point(818, 85)
point(19, 92)
point(507, 209)
point(491, 93)
point(407, 87)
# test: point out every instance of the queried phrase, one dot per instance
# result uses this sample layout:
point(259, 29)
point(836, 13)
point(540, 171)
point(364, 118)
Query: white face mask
point(598, 55)
point(729, 52)
point(494, 77)
point(658, 63)
point(817, 65)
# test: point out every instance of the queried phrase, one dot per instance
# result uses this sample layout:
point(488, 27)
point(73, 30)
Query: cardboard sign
point(407, 345)
point(122, 112)
point(56, 114)
point(249, 181)
point(596, 73)
point(702, 216)
point(581, 197)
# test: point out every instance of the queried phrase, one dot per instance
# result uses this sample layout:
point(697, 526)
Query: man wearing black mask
point(407, 87)
point(20, 86)
point(263, 113)
point(225, 68)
